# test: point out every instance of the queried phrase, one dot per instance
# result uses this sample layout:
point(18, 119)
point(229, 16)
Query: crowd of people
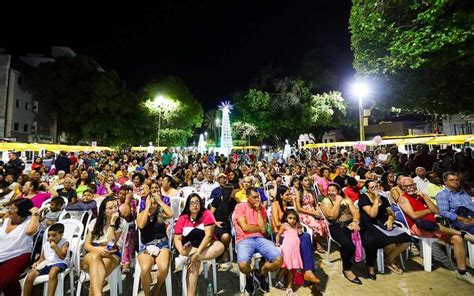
point(282, 209)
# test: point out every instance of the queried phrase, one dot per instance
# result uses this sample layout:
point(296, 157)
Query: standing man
point(14, 166)
point(63, 163)
point(250, 220)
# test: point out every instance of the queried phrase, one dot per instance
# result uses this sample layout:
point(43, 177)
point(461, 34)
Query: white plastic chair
point(330, 239)
point(80, 216)
point(136, 274)
point(115, 277)
point(425, 248)
point(184, 192)
point(177, 205)
point(72, 233)
point(470, 250)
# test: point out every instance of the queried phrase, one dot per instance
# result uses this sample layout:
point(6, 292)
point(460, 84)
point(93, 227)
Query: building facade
point(22, 118)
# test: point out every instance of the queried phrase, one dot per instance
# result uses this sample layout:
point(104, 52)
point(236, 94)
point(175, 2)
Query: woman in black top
point(378, 230)
point(222, 208)
point(154, 245)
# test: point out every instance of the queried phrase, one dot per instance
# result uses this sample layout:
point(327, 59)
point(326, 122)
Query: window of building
point(25, 128)
point(18, 103)
point(27, 106)
point(16, 126)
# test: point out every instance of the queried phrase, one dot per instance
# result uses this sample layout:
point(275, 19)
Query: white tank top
point(16, 242)
point(50, 255)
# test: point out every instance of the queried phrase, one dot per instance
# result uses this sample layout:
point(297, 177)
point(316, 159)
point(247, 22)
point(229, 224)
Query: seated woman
point(309, 212)
point(106, 228)
point(194, 237)
point(281, 204)
point(343, 218)
point(168, 187)
point(222, 207)
point(154, 245)
point(16, 244)
point(378, 230)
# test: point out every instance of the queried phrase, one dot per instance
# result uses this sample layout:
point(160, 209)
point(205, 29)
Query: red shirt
point(351, 193)
point(418, 204)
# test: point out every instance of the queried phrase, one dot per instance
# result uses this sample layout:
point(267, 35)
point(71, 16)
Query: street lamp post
point(360, 89)
point(161, 105)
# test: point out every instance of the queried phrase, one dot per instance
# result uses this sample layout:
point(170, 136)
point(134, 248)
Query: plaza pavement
point(415, 281)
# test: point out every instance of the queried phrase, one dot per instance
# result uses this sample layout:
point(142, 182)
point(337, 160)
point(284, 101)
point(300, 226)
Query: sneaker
point(262, 284)
point(467, 277)
point(468, 237)
point(280, 285)
point(289, 292)
point(226, 266)
point(249, 285)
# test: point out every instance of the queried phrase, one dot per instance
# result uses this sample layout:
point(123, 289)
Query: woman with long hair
point(106, 229)
point(82, 183)
point(168, 186)
point(194, 238)
point(154, 245)
point(397, 190)
point(309, 212)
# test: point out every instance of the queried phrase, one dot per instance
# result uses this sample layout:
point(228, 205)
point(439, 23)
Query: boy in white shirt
point(52, 260)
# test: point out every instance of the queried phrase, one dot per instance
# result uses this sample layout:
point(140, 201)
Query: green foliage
point(244, 130)
point(210, 121)
point(421, 52)
point(289, 110)
point(188, 113)
point(89, 104)
point(174, 137)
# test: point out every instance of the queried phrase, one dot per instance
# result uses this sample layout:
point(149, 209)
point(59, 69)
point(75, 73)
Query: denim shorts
point(118, 254)
point(246, 248)
point(46, 269)
point(162, 244)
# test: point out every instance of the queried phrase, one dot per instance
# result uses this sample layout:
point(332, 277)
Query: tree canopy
point(421, 53)
point(88, 103)
point(186, 113)
point(289, 109)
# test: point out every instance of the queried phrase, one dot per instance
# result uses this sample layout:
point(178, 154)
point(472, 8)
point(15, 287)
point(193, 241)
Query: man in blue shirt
point(455, 204)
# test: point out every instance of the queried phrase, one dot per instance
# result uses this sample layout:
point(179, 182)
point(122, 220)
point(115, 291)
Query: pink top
point(251, 217)
point(39, 198)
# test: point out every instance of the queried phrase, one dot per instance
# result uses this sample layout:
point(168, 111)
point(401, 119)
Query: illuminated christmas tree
point(226, 132)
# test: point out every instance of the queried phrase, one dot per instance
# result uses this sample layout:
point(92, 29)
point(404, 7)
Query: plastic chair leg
point(136, 279)
point(328, 262)
point(426, 246)
point(214, 275)
point(169, 290)
point(380, 263)
point(470, 250)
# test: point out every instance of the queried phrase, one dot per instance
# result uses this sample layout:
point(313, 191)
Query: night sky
point(216, 47)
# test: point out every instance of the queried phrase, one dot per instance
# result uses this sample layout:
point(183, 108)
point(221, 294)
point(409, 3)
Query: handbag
point(298, 279)
point(358, 254)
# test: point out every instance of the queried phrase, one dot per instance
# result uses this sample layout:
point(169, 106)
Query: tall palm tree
point(210, 121)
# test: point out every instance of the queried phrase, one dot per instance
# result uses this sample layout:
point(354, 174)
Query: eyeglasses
point(409, 185)
point(194, 203)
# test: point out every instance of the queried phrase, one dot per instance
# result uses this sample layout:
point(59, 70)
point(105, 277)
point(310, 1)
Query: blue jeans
point(246, 248)
point(306, 249)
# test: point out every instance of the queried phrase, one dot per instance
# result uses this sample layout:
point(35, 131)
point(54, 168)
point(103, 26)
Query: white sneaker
point(467, 277)
point(226, 266)
point(469, 237)
point(289, 292)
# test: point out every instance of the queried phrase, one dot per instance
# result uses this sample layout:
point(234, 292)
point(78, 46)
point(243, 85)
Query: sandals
point(320, 248)
point(394, 268)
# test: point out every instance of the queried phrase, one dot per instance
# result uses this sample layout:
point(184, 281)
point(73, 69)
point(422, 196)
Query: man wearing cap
point(217, 192)
point(14, 166)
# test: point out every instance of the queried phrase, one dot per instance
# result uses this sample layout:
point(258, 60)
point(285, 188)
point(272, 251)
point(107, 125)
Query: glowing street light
point(162, 105)
point(360, 90)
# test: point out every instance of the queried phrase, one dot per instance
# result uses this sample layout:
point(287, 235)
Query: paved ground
point(415, 281)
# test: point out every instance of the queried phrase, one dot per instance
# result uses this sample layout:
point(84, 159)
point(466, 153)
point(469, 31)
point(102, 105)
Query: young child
point(290, 247)
point(51, 215)
point(52, 260)
point(86, 203)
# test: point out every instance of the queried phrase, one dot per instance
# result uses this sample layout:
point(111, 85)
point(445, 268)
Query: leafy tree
point(210, 121)
point(419, 52)
point(182, 118)
point(289, 110)
point(245, 130)
point(88, 103)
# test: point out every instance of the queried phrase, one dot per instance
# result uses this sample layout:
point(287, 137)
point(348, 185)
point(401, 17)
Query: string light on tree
point(226, 132)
